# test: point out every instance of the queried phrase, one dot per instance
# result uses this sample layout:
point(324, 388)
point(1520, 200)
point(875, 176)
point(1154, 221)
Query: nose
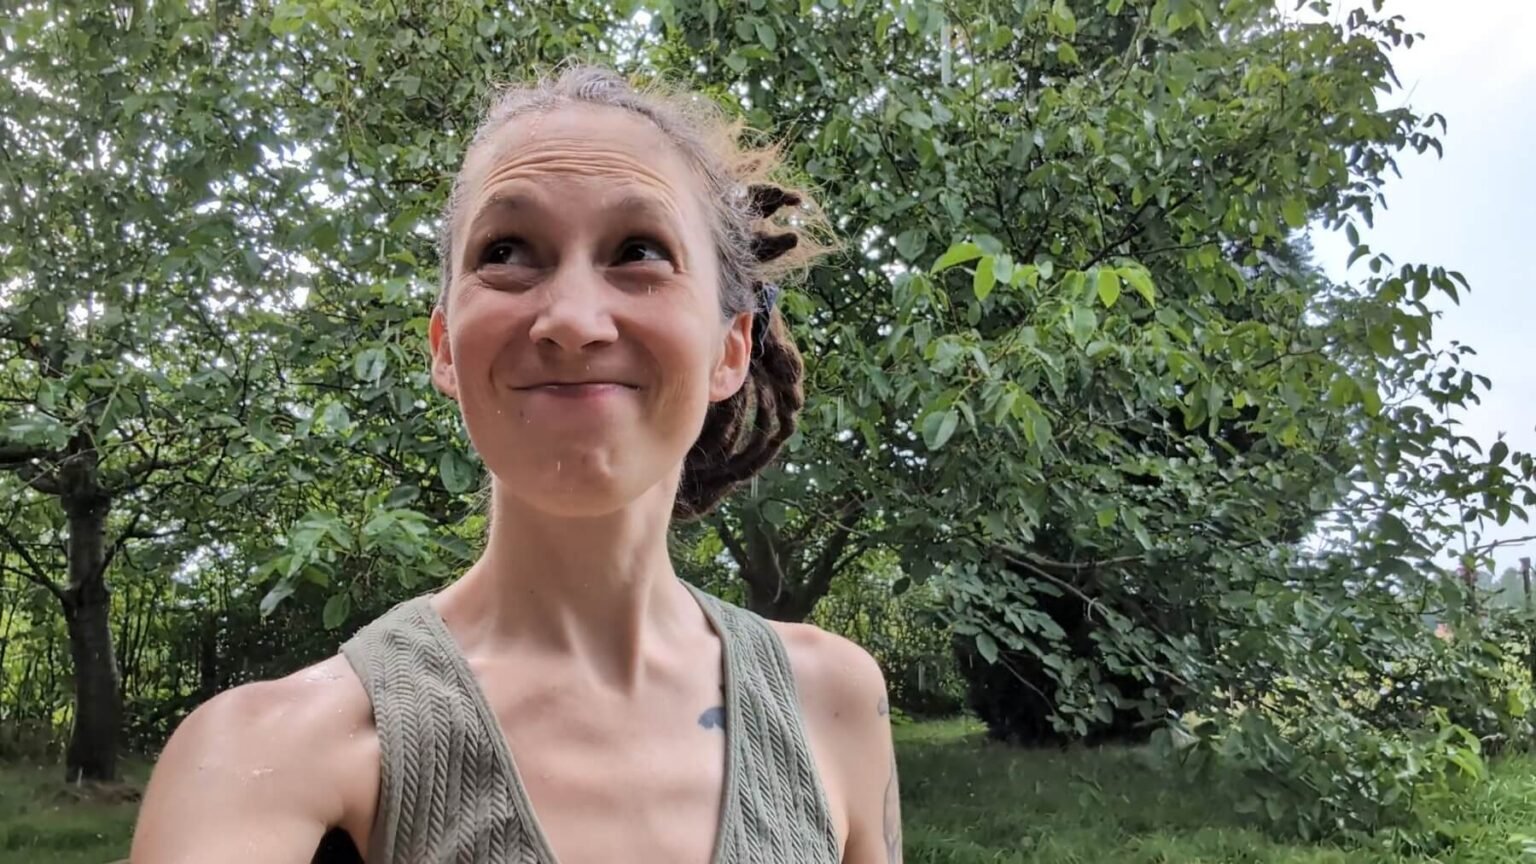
point(574, 313)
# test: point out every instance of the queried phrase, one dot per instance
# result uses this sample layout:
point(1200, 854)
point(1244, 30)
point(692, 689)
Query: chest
point(613, 777)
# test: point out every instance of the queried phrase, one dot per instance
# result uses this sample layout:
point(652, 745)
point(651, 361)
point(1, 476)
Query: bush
point(904, 633)
point(1047, 664)
point(1349, 717)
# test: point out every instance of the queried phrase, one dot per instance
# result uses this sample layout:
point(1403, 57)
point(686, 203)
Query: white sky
point(1475, 210)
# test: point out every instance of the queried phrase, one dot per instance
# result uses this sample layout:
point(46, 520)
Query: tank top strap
point(444, 795)
point(780, 807)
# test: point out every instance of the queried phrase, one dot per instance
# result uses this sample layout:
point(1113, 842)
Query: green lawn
point(967, 801)
point(46, 821)
point(970, 801)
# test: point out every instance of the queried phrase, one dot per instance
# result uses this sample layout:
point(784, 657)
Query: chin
point(574, 485)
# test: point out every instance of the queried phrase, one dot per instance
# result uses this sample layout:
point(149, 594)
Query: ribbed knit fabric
point(449, 791)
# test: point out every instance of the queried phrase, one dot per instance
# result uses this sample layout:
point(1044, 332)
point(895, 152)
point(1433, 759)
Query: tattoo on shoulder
point(884, 708)
point(713, 718)
point(892, 817)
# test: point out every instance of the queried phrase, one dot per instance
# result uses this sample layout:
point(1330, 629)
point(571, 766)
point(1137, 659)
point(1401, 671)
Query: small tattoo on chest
point(713, 718)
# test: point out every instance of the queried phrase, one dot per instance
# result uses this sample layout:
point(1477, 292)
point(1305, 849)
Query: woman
point(606, 326)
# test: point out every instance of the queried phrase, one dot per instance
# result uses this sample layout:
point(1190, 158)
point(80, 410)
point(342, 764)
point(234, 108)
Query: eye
point(639, 249)
point(504, 251)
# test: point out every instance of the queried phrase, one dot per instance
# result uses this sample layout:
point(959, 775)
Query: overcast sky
point(1474, 210)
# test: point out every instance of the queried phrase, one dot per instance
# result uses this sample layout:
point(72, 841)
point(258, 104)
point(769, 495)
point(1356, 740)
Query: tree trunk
point(92, 753)
point(786, 577)
point(778, 603)
point(208, 658)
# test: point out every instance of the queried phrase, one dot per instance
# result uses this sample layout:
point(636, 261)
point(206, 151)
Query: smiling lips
point(579, 389)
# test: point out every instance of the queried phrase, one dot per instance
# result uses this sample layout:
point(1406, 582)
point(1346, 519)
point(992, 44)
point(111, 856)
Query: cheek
point(483, 330)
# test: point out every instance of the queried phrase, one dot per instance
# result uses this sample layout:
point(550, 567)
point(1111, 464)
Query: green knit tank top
point(449, 790)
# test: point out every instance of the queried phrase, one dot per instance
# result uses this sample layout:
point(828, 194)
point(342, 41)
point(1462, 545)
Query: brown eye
point(638, 250)
point(505, 251)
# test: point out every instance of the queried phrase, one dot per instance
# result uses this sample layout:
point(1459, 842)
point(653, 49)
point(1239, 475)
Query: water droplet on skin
point(261, 772)
point(557, 466)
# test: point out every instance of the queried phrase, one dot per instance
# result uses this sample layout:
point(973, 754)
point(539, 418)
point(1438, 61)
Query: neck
point(599, 590)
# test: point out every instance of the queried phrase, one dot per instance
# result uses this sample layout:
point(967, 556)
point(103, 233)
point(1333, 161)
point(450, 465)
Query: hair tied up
point(766, 199)
point(768, 292)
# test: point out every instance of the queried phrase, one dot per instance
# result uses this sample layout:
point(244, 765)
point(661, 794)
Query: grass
point(969, 801)
point(966, 801)
point(44, 820)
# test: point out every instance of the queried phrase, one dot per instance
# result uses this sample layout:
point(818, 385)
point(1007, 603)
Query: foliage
point(905, 632)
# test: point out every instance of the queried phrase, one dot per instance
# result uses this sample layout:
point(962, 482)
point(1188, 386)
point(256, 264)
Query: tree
point(126, 366)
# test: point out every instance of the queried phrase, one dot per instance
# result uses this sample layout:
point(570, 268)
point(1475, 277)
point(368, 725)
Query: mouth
point(578, 389)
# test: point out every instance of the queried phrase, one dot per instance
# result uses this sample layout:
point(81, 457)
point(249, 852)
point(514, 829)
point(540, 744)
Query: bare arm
point(874, 803)
point(258, 773)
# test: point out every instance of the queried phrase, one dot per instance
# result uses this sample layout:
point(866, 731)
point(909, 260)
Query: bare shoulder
point(259, 772)
point(834, 675)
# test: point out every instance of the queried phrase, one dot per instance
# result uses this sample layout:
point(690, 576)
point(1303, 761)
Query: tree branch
point(38, 478)
point(732, 544)
point(36, 573)
point(20, 454)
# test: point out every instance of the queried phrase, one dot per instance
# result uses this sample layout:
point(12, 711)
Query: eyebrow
point(517, 203)
point(502, 204)
point(637, 204)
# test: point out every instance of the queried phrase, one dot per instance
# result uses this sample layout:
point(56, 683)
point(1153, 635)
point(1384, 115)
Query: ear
point(444, 376)
point(730, 370)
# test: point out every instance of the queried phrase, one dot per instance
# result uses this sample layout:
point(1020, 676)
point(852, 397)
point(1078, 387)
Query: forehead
point(599, 144)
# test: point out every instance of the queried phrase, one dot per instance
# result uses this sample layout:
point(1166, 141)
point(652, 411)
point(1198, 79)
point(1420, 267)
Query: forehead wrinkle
point(579, 159)
point(582, 156)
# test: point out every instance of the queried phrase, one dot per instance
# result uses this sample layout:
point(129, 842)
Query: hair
point(756, 252)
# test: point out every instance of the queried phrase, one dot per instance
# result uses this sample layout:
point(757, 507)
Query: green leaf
point(957, 254)
point(336, 417)
point(983, 281)
point(939, 427)
point(369, 365)
point(1106, 517)
point(1084, 322)
point(1498, 453)
point(337, 608)
point(1294, 211)
point(917, 119)
point(1370, 399)
point(1141, 281)
point(1392, 528)
point(402, 495)
point(1133, 521)
point(457, 474)
point(986, 646)
point(1380, 340)
point(1109, 286)
point(766, 36)
point(280, 592)
point(910, 243)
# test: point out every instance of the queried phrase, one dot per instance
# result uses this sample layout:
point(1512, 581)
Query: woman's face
point(583, 337)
